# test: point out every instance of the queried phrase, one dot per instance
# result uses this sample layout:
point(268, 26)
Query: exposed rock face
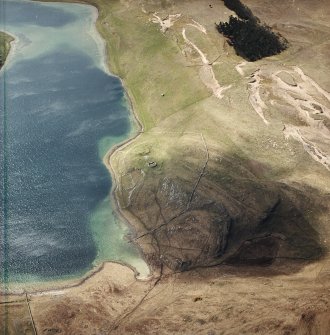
point(195, 235)
point(236, 230)
point(226, 216)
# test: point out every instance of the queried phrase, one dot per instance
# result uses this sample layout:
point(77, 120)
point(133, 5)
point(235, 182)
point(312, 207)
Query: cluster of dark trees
point(242, 11)
point(250, 39)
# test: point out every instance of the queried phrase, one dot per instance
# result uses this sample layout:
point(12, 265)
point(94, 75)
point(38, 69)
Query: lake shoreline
point(45, 287)
point(137, 130)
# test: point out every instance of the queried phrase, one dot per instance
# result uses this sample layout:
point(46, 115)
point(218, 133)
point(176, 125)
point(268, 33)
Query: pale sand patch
point(312, 82)
point(302, 94)
point(310, 147)
point(59, 287)
point(206, 72)
point(255, 98)
point(197, 25)
point(310, 101)
point(239, 67)
point(201, 54)
point(166, 23)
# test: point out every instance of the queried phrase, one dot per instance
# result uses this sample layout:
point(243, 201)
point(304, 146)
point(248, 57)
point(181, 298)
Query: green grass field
point(148, 62)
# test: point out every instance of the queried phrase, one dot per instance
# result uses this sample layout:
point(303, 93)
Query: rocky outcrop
point(190, 214)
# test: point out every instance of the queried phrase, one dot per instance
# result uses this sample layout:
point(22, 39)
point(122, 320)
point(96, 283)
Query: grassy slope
point(145, 59)
point(151, 63)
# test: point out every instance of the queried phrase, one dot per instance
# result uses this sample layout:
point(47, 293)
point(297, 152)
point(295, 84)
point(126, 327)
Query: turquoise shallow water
point(60, 113)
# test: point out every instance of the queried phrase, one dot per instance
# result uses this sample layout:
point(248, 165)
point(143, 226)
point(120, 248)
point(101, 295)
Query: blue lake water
point(60, 113)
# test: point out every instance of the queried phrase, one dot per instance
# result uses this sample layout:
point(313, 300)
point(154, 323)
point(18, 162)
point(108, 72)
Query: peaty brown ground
point(215, 301)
